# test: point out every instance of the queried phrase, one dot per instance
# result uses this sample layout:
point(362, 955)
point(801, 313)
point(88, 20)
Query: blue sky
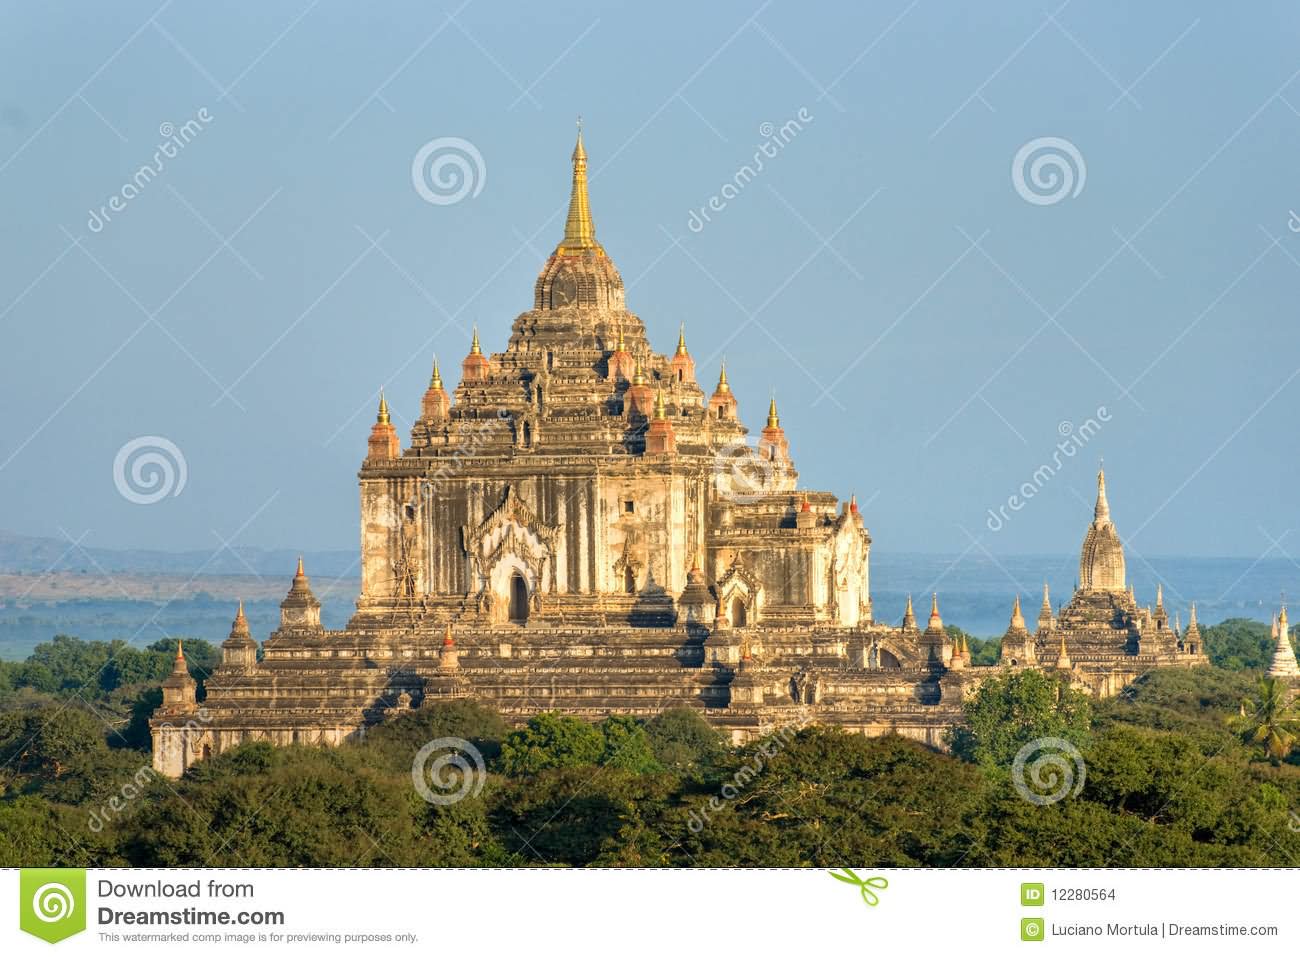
point(931, 334)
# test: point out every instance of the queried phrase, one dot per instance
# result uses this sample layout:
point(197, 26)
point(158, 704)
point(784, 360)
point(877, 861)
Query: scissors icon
point(863, 885)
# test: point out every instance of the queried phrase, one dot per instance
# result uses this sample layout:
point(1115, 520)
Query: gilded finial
point(723, 385)
point(436, 381)
point(661, 411)
point(638, 377)
point(681, 340)
point(383, 418)
point(180, 649)
point(773, 421)
point(474, 348)
point(300, 573)
point(621, 346)
point(1017, 618)
point(579, 230)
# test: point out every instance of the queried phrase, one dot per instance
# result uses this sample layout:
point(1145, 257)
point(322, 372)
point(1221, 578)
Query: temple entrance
point(629, 580)
point(739, 616)
point(518, 599)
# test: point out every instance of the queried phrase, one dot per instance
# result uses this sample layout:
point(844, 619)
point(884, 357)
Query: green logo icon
point(1032, 895)
point(52, 902)
point(1031, 928)
point(867, 886)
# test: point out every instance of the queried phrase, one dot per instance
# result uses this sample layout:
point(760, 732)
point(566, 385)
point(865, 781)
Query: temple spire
point(436, 381)
point(383, 418)
point(474, 348)
point(723, 385)
point(579, 230)
point(773, 421)
point(1101, 513)
point(681, 340)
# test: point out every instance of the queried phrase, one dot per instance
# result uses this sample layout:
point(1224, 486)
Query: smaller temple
point(1284, 663)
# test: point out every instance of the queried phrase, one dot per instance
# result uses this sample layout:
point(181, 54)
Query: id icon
point(1032, 895)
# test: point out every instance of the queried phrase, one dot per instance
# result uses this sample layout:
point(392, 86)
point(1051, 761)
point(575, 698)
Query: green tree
point(684, 742)
point(1270, 720)
point(551, 740)
point(627, 746)
point(1239, 644)
point(1008, 712)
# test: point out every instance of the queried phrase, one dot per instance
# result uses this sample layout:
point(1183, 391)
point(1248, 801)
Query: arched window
point(518, 599)
point(738, 613)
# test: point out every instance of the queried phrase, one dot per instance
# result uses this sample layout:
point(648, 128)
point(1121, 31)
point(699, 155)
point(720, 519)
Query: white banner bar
point(651, 912)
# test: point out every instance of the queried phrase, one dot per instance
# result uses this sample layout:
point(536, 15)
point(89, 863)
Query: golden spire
point(383, 418)
point(180, 648)
point(579, 230)
point(474, 348)
point(638, 377)
point(681, 340)
point(299, 573)
point(1017, 619)
point(447, 640)
point(773, 422)
point(909, 618)
point(723, 385)
point(436, 381)
point(621, 347)
point(1102, 511)
point(661, 411)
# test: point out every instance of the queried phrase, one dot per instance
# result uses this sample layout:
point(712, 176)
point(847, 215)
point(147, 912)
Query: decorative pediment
point(513, 513)
point(738, 577)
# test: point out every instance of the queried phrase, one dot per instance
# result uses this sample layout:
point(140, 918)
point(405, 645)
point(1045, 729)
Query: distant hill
point(28, 554)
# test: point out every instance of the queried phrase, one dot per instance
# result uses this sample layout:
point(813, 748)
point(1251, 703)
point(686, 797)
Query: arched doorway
point(739, 615)
point(518, 599)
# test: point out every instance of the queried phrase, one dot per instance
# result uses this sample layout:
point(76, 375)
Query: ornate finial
point(773, 420)
point(436, 381)
point(1047, 601)
point(383, 418)
point(805, 505)
point(180, 650)
point(1191, 622)
point(681, 340)
point(723, 385)
point(909, 617)
point(935, 621)
point(853, 503)
point(638, 377)
point(661, 411)
point(300, 573)
point(447, 640)
point(1102, 512)
point(1017, 619)
point(620, 347)
point(474, 348)
point(1160, 595)
point(579, 231)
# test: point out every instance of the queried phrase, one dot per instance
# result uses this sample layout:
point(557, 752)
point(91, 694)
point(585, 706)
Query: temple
point(581, 526)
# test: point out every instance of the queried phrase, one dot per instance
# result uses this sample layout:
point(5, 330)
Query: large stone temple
point(581, 526)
